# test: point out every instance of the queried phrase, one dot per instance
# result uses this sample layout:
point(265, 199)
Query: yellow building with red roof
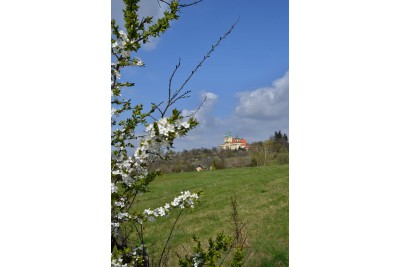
point(234, 143)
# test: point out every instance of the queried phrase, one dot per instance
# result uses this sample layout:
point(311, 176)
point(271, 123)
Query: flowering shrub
point(130, 175)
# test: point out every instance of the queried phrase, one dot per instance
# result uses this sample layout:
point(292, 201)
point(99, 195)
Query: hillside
point(262, 194)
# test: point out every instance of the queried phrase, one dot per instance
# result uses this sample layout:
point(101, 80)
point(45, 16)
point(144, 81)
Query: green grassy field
point(262, 194)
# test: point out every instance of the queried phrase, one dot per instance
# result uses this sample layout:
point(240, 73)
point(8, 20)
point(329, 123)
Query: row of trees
point(271, 151)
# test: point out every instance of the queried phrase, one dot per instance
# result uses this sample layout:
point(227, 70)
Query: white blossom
point(162, 121)
point(152, 145)
point(117, 74)
point(185, 125)
point(126, 53)
point(123, 216)
point(138, 62)
point(138, 219)
point(186, 199)
point(196, 260)
point(122, 34)
point(150, 129)
point(119, 204)
point(116, 172)
point(118, 263)
point(114, 189)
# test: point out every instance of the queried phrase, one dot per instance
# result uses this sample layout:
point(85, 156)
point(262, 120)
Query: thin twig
point(208, 55)
point(197, 110)
point(191, 4)
point(176, 96)
point(181, 5)
point(169, 238)
point(171, 78)
point(133, 200)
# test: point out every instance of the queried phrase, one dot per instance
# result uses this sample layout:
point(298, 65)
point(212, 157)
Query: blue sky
point(245, 79)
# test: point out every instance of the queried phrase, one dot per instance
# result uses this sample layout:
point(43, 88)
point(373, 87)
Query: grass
point(262, 195)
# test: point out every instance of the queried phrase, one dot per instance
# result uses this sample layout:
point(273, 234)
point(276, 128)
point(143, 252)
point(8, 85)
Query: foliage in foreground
point(131, 175)
point(222, 246)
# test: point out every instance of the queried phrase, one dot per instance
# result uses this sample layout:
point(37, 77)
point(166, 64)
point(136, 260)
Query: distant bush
point(283, 158)
point(218, 164)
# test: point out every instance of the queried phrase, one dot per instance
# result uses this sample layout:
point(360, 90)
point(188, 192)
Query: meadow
point(262, 195)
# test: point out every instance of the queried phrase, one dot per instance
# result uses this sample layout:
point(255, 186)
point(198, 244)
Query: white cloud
point(204, 114)
point(260, 129)
point(267, 102)
point(257, 116)
point(200, 136)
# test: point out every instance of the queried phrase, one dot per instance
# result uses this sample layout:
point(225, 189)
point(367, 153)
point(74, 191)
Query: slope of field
point(262, 194)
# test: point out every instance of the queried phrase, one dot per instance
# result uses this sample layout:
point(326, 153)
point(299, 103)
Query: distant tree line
point(274, 150)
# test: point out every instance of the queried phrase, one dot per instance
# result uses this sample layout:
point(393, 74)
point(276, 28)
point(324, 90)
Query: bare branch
point(157, 107)
point(176, 95)
point(181, 5)
point(191, 4)
point(194, 113)
point(184, 95)
point(169, 237)
point(208, 55)
point(171, 78)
